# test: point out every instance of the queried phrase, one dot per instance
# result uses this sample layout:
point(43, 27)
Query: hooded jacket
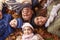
point(5, 28)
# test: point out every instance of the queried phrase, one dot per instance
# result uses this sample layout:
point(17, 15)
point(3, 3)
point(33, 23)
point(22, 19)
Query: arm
point(48, 3)
point(53, 14)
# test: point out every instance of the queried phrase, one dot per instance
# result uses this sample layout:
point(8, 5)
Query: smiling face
point(27, 13)
point(40, 20)
point(13, 23)
point(27, 30)
point(1, 15)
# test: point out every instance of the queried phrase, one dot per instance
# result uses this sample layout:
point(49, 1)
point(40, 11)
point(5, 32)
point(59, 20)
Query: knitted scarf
point(27, 37)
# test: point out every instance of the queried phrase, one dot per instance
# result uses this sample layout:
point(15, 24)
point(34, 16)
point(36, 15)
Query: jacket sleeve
point(8, 18)
point(53, 14)
point(48, 3)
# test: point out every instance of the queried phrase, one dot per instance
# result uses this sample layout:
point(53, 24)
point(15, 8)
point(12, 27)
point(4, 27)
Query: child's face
point(0, 15)
point(27, 30)
point(40, 20)
point(27, 13)
point(13, 23)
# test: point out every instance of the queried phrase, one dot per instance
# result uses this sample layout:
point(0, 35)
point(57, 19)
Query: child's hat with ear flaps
point(28, 25)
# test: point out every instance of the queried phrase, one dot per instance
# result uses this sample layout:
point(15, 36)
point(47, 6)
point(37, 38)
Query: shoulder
point(7, 15)
point(19, 38)
point(37, 37)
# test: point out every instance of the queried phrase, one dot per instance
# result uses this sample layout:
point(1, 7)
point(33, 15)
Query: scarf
point(27, 37)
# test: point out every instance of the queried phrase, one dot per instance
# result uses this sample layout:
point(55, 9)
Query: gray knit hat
point(26, 5)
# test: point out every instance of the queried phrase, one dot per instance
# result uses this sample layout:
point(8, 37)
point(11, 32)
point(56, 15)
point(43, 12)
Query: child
point(16, 23)
point(28, 34)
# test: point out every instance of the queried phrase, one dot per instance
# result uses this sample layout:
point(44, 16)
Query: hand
point(13, 23)
point(39, 1)
point(47, 24)
point(45, 6)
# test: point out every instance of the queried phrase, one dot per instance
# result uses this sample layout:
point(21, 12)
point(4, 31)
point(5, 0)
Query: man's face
point(27, 13)
point(13, 23)
point(27, 30)
point(0, 15)
point(40, 20)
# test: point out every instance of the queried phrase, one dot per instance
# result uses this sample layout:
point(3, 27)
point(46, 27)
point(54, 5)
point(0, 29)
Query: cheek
point(27, 32)
point(30, 31)
point(44, 20)
point(35, 21)
point(22, 13)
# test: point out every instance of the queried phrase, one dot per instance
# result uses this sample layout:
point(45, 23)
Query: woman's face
point(13, 23)
point(27, 13)
point(27, 30)
point(40, 20)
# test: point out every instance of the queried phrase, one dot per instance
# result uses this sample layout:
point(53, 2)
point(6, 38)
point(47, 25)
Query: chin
point(26, 19)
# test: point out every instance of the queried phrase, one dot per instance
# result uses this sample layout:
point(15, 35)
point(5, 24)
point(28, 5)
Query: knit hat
point(26, 5)
point(28, 25)
point(19, 22)
point(13, 5)
point(11, 1)
point(18, 8)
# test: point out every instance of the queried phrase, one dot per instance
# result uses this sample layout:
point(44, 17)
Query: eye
point(14, 21)
point(37, 18)
point(28, 29)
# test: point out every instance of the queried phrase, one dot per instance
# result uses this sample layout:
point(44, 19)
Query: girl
point(28, 34)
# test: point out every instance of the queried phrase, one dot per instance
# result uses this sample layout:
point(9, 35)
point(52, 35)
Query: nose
point(25, 11)
point(39, 20)
point(26, 31)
